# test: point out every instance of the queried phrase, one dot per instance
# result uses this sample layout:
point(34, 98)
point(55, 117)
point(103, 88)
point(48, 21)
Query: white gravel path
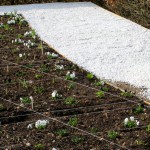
point(101, 42)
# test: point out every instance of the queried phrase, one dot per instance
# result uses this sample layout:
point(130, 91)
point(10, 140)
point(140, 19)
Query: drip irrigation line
point(1, 118)
point(75, 128)
point(95, 112)
point(74, 82)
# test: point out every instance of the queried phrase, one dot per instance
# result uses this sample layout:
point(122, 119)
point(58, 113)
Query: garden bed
point(81, 111)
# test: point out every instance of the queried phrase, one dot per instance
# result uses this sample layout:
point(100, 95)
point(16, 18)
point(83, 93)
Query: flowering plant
point(41, 124)
point(131, 122)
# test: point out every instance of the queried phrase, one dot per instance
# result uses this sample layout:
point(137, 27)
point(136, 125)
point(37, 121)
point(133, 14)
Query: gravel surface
point(103, 43)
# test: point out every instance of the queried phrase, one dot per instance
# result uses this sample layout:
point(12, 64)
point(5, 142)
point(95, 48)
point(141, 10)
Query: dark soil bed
point(80, 116)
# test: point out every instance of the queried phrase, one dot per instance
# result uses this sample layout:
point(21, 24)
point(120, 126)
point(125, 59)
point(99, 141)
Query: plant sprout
point(100, 94)
point(112, 134)
point(71, 101)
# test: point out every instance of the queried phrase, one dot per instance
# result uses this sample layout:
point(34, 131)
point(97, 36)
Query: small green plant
point(99, 83)
point(77, 139)
point(1, 107)
point(112, 134)
point(131, 122)
point(38, 76)
point(6, 27)
point(44, 68)
point(39, 146)
point(106, 89)
point(38, 89)
point(139, 109)
point(140, 142)
point(62, 132)
point(20, 74)
point(127, 94)
point(93, 130)
point(148, 128)
point(24, 83)
point(71, 101)
point(90, 76)
point(25, 100)
point(73, 121)
point(71, 86)
point(100, 94)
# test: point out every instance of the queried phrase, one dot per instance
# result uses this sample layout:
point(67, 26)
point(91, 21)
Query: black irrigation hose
point(83, 131)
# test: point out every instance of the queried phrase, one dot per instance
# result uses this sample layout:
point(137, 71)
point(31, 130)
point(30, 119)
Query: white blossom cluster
point(55, 94)
point(71, 75)
point(12, 21)
point(28, 44)
point(59, 67)
point(53, 55)
point(1, 25)
point(126, 120)
point(41, 123)
point(22, 55)
point(19, 41)
point(29, 34)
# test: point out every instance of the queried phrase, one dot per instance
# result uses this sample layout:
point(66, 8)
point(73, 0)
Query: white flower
point(54, 149)
point(126, 121)
point(137, 123)
point(54, 94)
point(132, 118)
point(21, 98)
point(30, 81)
point(29, 126)
point(68, 73)
point(20, 55)
point(31, 97)
point(54, 55)
point(73, 75)
point(40, 123)
point(59, 67)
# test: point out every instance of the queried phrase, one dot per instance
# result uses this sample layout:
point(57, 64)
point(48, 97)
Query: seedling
point(127, 94)
point(38, 76)
point(24, 83)
point(1, 107)
point(20, 74)
point(77, 139)
point(38, 89)
point(93, 130)
point(73, 121)
point(139, 109)
point(25, 100)
point(148, 128)
point(90, 76)
point(99, 83)
point(106, 89)
point(140, 142)
point(39, 146)
point(71, 86)
point(112, 135)
point(100, 94)
point(40, 47)
point(62, 132)
point(44, 68)
point(51, 55)
point(71, 101)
